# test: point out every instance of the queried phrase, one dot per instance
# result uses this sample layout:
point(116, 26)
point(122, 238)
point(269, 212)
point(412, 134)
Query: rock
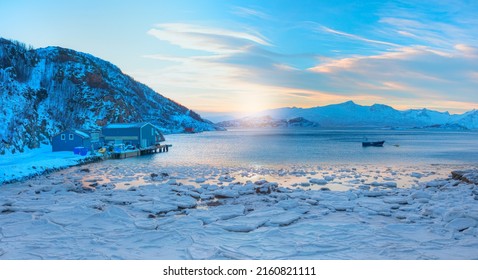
point(84, 170)
point(311, 201)
point(343, 206)
point(329, 178)
point(173, 182)
point(146, 224)
point(260, 182)
point(153, 175)
point(200, 180)
point(467, 176)
point(155, 208)
point(461, 224)
point(421, 194)
point(266, 188)
point(226, 178)
point(318, 181)
point(214, 203)
point(374, 193)
point(206, 196)
point(435, 184)
point(416, 175)
point(390, 184)
point(364, 187)
point(225, 193)
point(184, 202)
point(396, 200)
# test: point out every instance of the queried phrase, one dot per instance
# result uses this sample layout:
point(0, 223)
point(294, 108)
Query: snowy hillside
point(350, 114)
point(47, 90)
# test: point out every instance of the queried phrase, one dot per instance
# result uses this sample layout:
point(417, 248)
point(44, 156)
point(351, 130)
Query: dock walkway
point(142, 151)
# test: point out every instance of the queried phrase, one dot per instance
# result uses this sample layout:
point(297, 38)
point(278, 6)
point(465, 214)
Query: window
point(63, 137)
point(70, 136)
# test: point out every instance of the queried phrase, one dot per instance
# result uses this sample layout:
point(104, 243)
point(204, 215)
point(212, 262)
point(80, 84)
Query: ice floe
point(239, 213)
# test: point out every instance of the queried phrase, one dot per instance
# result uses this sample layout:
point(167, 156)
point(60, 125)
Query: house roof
point(126, 125)
point(80, 133)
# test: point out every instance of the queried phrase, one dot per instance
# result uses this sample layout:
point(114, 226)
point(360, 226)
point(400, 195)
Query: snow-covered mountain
point(267, 122)
point(350, 114)
point(44, 91)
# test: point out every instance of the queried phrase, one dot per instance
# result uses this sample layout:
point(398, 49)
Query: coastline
point(37, 162)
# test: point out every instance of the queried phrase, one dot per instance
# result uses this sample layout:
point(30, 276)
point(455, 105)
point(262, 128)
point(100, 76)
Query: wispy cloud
point(356, 37)
point(400, 59)
point(210, 39)
point(248, 12)
point(407, 73)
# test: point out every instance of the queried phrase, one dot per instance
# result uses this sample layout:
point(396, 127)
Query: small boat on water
point(373, 144)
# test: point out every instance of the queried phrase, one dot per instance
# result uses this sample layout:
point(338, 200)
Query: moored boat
point(373, 144)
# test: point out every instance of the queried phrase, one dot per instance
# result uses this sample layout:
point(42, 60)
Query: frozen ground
point(103, 211)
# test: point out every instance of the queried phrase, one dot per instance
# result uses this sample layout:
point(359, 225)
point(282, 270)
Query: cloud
point(356, 37)
point(285, 67)
point(416, 61)
point(214, 40)
point(248, 12)
point(467, 50)
point(415, 72)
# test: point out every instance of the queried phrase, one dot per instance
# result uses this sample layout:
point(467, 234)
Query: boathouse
point(141, 135)
point(70, 139)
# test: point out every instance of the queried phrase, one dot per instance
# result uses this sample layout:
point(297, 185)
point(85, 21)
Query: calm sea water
point(276, 147)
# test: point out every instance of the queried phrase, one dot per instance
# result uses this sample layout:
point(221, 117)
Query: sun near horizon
point(247, 56)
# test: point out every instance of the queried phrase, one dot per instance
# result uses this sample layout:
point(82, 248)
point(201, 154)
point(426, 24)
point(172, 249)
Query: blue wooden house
point(140, 135)
point(68, 140)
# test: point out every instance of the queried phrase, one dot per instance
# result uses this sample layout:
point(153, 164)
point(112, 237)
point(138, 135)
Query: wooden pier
point(155, 149)
point(142, 151)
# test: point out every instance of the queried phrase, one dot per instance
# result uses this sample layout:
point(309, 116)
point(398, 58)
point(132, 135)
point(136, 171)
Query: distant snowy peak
point(50, 89)
point(350, 114)
point(267, 122)
point(469, 119)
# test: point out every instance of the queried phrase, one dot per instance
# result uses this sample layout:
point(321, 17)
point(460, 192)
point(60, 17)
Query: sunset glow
point(240, 56)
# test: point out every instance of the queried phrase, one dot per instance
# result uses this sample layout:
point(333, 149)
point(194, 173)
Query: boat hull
point(373, 144)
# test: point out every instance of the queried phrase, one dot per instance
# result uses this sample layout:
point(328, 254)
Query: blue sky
point(244, 56)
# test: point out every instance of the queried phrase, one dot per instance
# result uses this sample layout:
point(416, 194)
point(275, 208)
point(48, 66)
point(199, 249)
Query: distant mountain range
point(44, 91)
point(267, 121)
point(350, 114)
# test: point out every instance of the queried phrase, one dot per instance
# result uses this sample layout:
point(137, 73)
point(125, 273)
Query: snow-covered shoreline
point(231, 213)
point(35, 162)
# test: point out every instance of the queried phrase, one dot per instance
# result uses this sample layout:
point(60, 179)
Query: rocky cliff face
point(44, 91)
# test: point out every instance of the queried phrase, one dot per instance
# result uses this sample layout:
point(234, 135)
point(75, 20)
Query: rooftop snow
point(125, 125)
point(81, 133)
